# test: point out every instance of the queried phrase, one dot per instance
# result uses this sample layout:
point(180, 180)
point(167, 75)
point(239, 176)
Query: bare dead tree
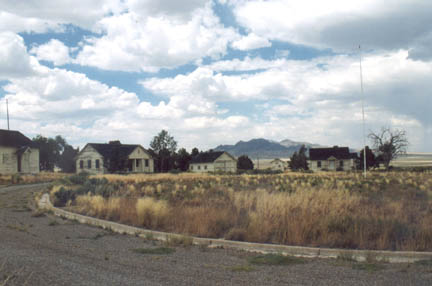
point(389, 144)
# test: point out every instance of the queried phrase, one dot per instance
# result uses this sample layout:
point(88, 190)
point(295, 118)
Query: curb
point(299, 251)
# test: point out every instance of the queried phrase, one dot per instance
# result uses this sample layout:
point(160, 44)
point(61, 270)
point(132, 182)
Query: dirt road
point(44, 250)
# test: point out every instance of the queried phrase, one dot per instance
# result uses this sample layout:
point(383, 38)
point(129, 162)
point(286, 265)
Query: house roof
point(206, 157)
point(12, 138)
point(115, 150)
point(340, 153)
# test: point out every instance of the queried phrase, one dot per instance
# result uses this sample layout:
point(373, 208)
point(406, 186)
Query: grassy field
point(390, 211)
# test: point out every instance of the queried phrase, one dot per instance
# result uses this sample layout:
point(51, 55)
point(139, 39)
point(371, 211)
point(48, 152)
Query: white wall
point(89, 153)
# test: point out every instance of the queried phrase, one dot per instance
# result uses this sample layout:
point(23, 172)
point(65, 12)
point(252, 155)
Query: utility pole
point(7, 112)
point(363, 114)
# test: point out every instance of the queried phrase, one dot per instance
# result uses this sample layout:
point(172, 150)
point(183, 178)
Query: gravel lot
point(45, 250)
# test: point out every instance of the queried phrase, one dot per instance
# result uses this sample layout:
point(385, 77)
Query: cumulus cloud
point(54, 51)
point(44, 15)
point(320, 93)
point(340, 25)
point(133, 42)
point(15, 23)
point(251, 42)
point(14, 60)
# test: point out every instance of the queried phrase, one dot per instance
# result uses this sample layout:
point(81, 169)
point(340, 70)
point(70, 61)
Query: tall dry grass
point(30, 178)
point(385, 211)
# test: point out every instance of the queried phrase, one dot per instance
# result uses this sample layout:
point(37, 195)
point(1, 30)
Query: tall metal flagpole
point(363, 115)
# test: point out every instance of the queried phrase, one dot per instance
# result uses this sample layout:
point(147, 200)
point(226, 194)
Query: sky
point(216, 72)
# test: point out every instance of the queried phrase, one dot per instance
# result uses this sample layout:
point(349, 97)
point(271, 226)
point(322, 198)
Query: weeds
point(157, 251)
point(53, 223)
point(370, 267)
point(386, 211)
point(241, 268)
point(275, 259)
point(178, 240)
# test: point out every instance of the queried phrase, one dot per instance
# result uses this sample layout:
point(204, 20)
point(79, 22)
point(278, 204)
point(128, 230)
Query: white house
point(213, 162)
point(331, 159)
point(18, 154)
point(97, 158)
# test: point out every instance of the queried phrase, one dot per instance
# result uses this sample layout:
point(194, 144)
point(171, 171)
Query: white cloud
point(341, 25)
point(247, 64)
point(14, 60)
point(323, 94)
point(251, 42)
point(15, 23)
point(181, 9)
point(42, 15)
point(136, 43)
point(54, 51)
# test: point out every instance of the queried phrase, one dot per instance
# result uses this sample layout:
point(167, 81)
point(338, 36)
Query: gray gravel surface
point(45, 250)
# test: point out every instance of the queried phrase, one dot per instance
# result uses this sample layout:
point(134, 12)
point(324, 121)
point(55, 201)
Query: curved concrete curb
point(299, 251)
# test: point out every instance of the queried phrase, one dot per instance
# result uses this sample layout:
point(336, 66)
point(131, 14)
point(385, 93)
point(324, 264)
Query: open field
point(386, 211)
point(413, 160)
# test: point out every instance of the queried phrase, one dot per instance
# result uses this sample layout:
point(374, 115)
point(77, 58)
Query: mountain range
point(264, 149)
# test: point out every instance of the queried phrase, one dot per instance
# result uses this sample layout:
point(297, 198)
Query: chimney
point(114, 142)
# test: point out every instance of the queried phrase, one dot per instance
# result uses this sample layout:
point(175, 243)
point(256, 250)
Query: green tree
point(389, 144)
point(370, 159)
point(195, 152)
point(55, 151)
point(67, 159)
point(164, 146)
point(298, 160)
point(182, 159)
point(244, 163)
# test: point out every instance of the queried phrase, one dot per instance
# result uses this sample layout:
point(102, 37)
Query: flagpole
point(363, 114)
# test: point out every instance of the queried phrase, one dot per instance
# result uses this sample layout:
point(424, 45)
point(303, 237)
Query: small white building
point(331, 159)
point(278, 165)
point(97, 158)
point(18, 154)
point(213, 162)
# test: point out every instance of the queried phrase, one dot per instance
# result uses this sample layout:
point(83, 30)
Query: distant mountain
point(263, 148)
point(289, 143)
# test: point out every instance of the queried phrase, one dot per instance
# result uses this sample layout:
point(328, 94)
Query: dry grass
point(384, 211)
point(30, 178)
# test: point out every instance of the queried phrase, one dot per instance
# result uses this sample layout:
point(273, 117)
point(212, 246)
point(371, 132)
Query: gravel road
point(45, 250)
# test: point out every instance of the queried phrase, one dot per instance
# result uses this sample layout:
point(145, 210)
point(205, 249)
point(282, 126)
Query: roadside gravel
point(45, 250)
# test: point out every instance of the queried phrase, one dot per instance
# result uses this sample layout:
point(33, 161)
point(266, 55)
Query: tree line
point(56, 152)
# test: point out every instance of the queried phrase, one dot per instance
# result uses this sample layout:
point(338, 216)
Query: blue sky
point(216, 72)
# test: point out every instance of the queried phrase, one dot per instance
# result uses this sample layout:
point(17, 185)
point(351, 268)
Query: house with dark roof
point(213, 162)
point(96, 158)
point(18, 154)
point(331, 159)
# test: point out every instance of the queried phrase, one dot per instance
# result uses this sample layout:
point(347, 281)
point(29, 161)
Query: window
point(319, 164)
point(5, 158)
point(97, 163)
point(341, 164)
point(205, 167)
point(137, 163)
point(146, 162)
point(191, 167)
point(89, 164)
point(81, 164)
point(199, 167)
